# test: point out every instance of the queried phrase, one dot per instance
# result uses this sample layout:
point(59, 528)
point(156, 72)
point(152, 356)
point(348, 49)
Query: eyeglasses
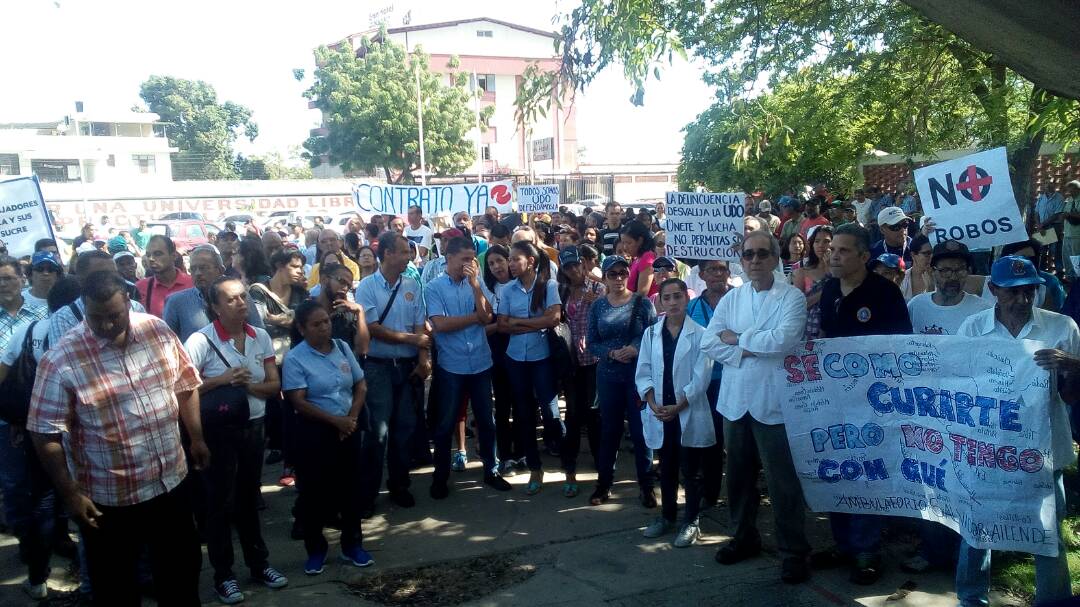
point(951, 271)
point(749, 254)
point(903, 225)
point(616, 275)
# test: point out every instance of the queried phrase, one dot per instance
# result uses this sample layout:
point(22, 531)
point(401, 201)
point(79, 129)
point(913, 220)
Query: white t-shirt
point(422, 236)
point(30, 297)
point(257, 349)
point(37, 342)
point(862, 211)
point(929, 318)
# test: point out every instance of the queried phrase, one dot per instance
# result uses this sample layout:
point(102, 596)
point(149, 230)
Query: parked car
point(240, 220)
point(186, 234)
point(182, 216)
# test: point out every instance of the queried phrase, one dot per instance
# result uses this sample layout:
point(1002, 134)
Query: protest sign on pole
point(704, 225)
point(435, 199)
point(970, 199)
point(950, 429)
point(538, 198)
point(24, 219)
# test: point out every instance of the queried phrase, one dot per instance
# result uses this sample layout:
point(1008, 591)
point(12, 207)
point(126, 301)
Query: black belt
point(392, 361)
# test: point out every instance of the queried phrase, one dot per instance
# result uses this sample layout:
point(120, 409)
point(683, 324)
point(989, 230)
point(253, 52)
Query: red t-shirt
point(643, 262)
point(804, 227)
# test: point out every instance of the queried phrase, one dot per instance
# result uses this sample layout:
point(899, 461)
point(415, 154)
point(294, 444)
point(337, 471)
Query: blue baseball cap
point(45, 257)
point(569, 256)
point(889, 260)
point(611, 261)
point(663, 262)
point(1014, 271)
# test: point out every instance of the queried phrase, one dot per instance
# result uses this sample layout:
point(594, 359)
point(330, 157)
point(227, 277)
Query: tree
point(368, 101)
point(269, 166)
point(202, 128)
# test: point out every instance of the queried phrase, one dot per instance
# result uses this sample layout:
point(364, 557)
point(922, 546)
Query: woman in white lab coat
point(672, 377)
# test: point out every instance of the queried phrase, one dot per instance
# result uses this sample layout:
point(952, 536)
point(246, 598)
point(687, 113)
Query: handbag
point(224, 406)
point(560, 343)
point(18, 386)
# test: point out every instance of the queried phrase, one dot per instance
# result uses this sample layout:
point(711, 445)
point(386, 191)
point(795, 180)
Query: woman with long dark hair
point(810, 277)
point(251, 261)
point(639, 248)
point(496, 275)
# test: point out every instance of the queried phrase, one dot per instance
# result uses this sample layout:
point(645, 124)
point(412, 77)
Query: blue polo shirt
point(701, 312)
point(514, 301)
point(328, 378)
point(462, 352)
point(407, 315)
point(186, 312)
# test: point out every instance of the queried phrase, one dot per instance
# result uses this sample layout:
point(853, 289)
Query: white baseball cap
point(890, 216)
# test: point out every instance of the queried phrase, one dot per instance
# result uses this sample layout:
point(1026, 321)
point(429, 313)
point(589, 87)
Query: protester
point(862, 207)
point(665, 267)
point(894, 228)
point(1050, 295)
point(1048, 219)
point(1070, 241)
point(165, 280)
point(772, 222)
point(526, 313)
point(366, 261)
point(458, 312)
point(250, 261)
point(638, 248)
point(496, 275)
point(120, 463)
point(941, 312)
point(855, 302)
point(616, 324)
point(751, 330)
point(813, 217)
point(330, 242)
point(67, 317)
point(889, 266)
point(45, 270)
point(578, 291)
point(419, 233)
point(436, 267)
point(919, 277)
point(810, 277)
point(186, 312)
point(793, 250)
point(232, 355)
point(347, 319)
point(228, 244)
point(398, 362)
point(673, 377)
point(324, 382)
point(610, 232)
point(127, 266)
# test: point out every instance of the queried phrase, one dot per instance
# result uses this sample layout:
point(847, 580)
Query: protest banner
point(944, 428)
point(704, 225)
point(24, 219)
point(970, 199)
point(538, 198)
point(434, 200)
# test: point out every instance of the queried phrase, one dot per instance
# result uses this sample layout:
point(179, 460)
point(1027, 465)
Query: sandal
point(599, 496)
point(570, 490)
point(534, 487)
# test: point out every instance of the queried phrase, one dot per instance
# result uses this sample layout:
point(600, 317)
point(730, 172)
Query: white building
point(90, 147)
point(498, 53)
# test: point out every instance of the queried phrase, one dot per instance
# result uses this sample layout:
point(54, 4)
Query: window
point(485, 34)
point(486, 82)
point(111, 160)
point(55, 171)
point(9, 164)
point(144, 163)
point(102, 129)
point(485, 152)
point(194, 231)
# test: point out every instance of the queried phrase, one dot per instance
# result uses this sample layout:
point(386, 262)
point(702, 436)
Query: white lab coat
point(771, 331)
point(691, 375)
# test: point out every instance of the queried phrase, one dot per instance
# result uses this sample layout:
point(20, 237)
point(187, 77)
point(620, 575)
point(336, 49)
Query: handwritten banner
point(24, 219)
point(538, 198)
point(434, 200)
point(971, 200)
point(949, 429)
point(702, 225)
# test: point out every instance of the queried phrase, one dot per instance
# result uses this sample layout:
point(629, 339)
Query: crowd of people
point(147, 387)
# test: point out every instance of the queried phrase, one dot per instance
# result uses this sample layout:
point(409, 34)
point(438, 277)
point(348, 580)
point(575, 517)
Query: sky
point(99, 51)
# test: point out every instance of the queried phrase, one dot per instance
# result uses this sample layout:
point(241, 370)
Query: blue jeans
point(452, 388)
point(1051, 572)
point(618, 403)
point(29, 502)
point(857, 535)
point(391, 410)
point(533, 383)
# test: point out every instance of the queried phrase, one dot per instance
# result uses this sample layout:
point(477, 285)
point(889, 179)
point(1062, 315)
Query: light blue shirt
point(465, 351)
point(432, 270)
point(186, 312)
point(514, 301)
point(908, 205)
point(328, 378)
point(407, 315)
point(1048, 206)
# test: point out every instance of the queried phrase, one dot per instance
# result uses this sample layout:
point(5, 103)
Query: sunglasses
point(749, 254)
point(46, 269)
point(903, 225)
point(616, 275)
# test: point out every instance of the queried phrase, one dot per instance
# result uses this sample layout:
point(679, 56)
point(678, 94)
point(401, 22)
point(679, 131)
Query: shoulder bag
point(224, 406)
point(559, 347)
point(18, 386)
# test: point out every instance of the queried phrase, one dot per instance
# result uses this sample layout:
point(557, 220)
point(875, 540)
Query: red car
point(186, 234)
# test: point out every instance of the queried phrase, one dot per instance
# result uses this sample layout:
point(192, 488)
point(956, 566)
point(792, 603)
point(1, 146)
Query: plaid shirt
point(28, 313)
point(117, 409)
point(577, 317)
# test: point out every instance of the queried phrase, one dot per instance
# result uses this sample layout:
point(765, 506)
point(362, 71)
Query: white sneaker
point(37, 592)
point(688, 534)
point(658, 527)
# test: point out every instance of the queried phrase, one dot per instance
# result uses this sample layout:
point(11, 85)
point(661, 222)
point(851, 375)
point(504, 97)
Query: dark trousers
point(580, 396)
point(232, 484)
point(858, 535)
point(505, 437)
point(689, 461)
point(29, 502)
point(328, 475)
point(533, 382)
point(164, 524)
point(452, 389)
point(619, 403)
point(391, 410)
point(713, 466)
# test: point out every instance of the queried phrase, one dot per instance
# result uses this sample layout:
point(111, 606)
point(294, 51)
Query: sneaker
point(658, 527)
point(314, 564)
point(687, 536)
point(270, 577)
point(37, 592)
point(506, 468)
point(357, 557)
point(497, 482)
point(915, 564)
point(228, 592)
point(288, 478)
point(458, 461)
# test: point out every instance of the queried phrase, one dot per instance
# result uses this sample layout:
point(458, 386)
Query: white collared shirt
point(258, 348)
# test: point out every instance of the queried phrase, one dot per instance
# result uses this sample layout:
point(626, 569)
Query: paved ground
point(573, 554)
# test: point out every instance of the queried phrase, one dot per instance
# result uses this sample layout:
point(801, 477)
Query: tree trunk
point(1022, 159)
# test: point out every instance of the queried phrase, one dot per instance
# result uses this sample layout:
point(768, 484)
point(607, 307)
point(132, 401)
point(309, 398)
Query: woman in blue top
point(529, 306)
point(616, 323)
point(324, 383)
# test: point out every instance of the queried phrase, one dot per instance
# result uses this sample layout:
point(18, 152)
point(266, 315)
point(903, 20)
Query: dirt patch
point(447, 583)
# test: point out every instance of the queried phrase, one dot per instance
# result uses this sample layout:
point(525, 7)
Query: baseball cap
point(612, 261)
point(125, 253)
point(889, 260)
point(890, 216)
point(116, 244)
point(951, 249)
point(764, 206)
point(45, 257)
point(663, 263)
point(569, 256)
point(788, 201)
point(450, 233)
point(1014, 271)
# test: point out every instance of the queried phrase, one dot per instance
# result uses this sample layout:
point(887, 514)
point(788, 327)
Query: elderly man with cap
point(127, 266)
point(942, 311)
point(1013, 280)
point(187, 311)
point(45, 270)
point(894, 231)
point(772, 222)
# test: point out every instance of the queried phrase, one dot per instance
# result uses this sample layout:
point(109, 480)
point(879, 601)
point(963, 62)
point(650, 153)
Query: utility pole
point(420, 124)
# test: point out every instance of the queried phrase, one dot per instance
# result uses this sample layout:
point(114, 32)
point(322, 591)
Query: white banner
point(702, 225)
point(538, 198)
point(970, 199)
point(944, 428)
point(435, 199)
point(24, 219)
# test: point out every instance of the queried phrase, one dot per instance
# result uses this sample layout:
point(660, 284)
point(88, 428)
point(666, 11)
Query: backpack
point(18, 386)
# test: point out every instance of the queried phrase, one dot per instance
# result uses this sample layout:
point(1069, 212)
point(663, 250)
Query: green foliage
point(369, 108)
point(202, 128)
point(269, 166)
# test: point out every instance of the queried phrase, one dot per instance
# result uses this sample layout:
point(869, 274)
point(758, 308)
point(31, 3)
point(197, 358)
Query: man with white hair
point(186, 311)
point(752, 329)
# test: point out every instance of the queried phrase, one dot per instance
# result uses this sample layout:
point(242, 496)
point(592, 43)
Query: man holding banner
point(1013, 281)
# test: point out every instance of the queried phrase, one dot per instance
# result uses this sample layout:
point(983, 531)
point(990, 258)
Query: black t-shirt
point(609, 237)
point(876, 307)
point(669, 343)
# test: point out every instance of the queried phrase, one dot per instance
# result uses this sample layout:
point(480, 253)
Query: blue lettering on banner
point(434, 199)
